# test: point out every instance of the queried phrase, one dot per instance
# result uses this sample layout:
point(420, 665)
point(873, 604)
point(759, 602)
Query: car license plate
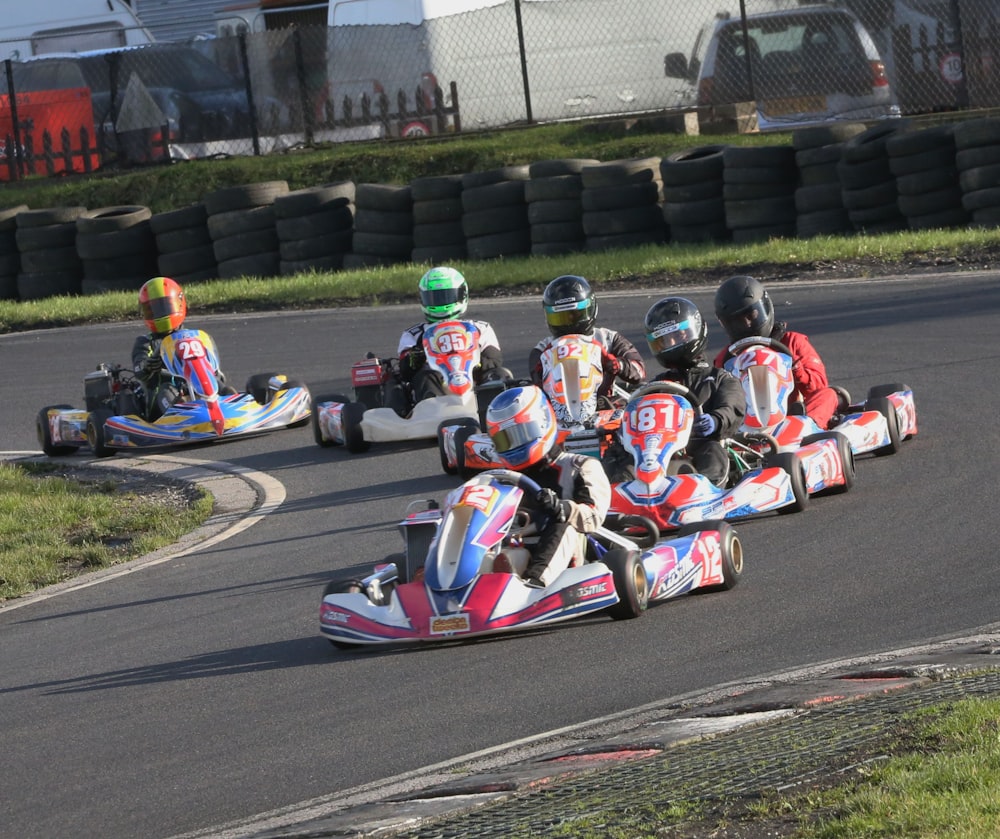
point(795, 105)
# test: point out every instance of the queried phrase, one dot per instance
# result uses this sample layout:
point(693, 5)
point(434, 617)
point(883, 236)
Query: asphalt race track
point(198, 691)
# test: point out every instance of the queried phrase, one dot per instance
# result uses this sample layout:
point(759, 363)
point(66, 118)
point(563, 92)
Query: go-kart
point(656, 427)
point(385, 410)
point(572, 372)
point(764, 369)
point(460, 573)
point(877, 425)
point(115, 418)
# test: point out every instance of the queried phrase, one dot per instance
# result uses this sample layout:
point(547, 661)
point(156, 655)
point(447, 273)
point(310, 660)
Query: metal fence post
point(245, 63)
point(17, 170)
point(524, 62)
point(308, 116)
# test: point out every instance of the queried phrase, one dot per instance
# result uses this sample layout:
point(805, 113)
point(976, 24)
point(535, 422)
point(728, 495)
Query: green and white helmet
point(444, 294)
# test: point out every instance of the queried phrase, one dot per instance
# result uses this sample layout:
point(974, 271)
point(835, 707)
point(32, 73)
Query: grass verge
point(81, 520)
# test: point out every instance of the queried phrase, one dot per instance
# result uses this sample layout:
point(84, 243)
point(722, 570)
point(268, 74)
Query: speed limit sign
point(951, 67)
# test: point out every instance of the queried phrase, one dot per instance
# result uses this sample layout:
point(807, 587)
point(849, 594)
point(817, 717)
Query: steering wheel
point(527, 485)
point(737, 347)
point(672, 388)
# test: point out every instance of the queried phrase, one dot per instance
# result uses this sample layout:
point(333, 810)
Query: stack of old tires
point(867, 184)
point(555, 209)
point(184, 245)
point(117, 248)
point(693, 206)
point(315, 227)
point(438, 236)
point(495, 212)
point(50, 264)
point(923, 163)
point(383, 226)
point(622, 204)
point(758, 190)
point(978, 161)
point(241, 223)
point(819, 200)
point(10, 256)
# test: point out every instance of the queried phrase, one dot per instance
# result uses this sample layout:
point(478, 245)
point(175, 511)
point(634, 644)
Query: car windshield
point(185, 70)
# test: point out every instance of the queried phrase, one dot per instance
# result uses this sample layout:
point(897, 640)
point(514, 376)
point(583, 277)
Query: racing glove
point(550, 504)
point(704, 426)
point(415, 360)
point(611, 364)
point(150, 367)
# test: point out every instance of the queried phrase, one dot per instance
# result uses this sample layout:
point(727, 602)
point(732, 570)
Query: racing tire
point(95, 432)
point(354, 437)
point(846, 458)
point(256, 386)
point(732, 552)
point(793, 466)
point(630, 584)
point(461, 421)
point(314, 417)
point(887, 410)
point(876, 391)
point(45, 436)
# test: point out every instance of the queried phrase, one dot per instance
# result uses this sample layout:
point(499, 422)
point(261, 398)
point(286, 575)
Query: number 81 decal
point(650, 416)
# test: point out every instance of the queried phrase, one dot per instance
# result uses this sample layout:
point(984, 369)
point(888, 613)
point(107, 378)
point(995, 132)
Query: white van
point(45, 26)
point(584, 58)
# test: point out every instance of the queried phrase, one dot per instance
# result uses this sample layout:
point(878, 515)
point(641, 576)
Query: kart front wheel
point(793, 466)
point(288, 386)
point(343, 587)
point(44, 432)
point(884, 406)
point(630, 583)
point(846, 456)
point(95, 432)
point(731, 547)
point(460, 421)
point(321, 440)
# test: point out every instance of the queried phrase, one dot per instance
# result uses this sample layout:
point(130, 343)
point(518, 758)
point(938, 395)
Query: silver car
point(801, 66)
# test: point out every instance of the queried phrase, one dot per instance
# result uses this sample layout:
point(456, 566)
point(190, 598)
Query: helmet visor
point(672, 334)
point(567, 314)
point(749, 321)
point(441, 298)
point(160, 307)
point(517, 434)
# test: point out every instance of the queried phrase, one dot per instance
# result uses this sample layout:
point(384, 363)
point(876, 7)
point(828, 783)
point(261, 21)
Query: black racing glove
point(550, 504)
point(151, 366)
point(415, 360)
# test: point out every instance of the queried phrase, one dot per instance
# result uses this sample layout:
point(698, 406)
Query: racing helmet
point(522, 426)
point(162, 305)
point(570, 306)
point(444, 294)
point(744, 308)
point(676, 332)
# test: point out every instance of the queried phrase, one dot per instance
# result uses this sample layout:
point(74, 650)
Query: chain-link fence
point(487, 63)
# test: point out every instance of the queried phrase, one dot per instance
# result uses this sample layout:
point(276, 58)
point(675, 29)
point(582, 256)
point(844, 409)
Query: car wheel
point(288, 386)
point(461, 435)
point(887, 410)
point(95, 432)
point(630, 583)
point(793, 466)
point(314, 412)
point(343, 587)
point(354, 438)
point(44, 433)
point(846, 458)
point(461, 422)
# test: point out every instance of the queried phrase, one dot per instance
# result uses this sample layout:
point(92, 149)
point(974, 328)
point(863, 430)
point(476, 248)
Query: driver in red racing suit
point(744, 309)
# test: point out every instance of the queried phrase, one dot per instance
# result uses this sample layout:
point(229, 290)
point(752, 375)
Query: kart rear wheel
point(630, 583)
point(461, 421)
point(732, 551)
point(95, 432)
point(793, 466)
point(887, 410)
point(44, 433)
point(354, 437)
point(846, 458)
point(886, 390)
point(257, 386)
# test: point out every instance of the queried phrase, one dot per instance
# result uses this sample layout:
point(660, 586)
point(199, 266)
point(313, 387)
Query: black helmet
point(676, 332)
point(744, 308)
point(570, 306)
